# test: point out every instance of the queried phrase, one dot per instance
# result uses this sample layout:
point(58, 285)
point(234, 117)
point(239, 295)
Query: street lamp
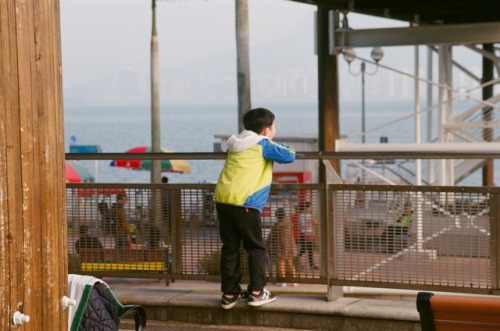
point(350, 55)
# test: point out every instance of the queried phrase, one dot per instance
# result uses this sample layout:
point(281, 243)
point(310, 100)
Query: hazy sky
point(117, 32)
point(188, 30)
point(102, 37)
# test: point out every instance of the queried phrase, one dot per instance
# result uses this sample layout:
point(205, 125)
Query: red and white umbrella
point(180, 166)
point(76, 173)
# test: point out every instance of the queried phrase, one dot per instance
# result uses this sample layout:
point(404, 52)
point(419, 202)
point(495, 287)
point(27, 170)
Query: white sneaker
point(295, 284)
point(260, 299)
point(228, 303)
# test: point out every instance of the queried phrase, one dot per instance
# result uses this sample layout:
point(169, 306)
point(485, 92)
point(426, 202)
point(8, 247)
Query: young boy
point(240, 195)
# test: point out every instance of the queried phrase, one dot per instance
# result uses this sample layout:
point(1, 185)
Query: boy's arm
point(281, 153)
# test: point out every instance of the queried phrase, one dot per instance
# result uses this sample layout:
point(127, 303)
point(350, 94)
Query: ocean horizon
point(191, 128)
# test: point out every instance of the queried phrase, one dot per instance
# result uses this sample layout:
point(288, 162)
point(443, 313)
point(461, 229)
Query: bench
point(457, 313)
point(124, 259)
point(96, 307)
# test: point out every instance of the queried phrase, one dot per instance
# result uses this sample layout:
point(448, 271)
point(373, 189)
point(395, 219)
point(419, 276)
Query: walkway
point(194, 305)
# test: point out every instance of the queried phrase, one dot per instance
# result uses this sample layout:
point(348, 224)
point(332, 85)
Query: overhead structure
point(429, 12)
point(438, 24)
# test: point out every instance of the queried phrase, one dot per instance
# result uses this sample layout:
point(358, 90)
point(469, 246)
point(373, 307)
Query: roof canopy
point(420, 11)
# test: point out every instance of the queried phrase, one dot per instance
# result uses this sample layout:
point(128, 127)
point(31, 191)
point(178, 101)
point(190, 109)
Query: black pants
point(237, 225)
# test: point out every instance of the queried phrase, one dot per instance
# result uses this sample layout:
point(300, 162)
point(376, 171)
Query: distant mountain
point(284, 70)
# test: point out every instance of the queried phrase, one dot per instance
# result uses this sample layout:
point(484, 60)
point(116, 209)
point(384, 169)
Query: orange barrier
point(458, 313)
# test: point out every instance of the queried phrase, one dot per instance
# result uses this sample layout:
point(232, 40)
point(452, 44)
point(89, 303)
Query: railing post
point(494, 240)
point(333, 292)
point(176, 238)
point(329, 204)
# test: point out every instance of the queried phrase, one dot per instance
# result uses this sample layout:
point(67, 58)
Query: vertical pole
point(176, 242)
point(494, 202)
point(488, 75)
point(334, 237)
point(156, 212)
point(450, 171)
point(446, 166)
point(242, 60)
point(363, 118)
point(430, 112)
point(418, 117)
point(328, 86)
point(419, 207)
point(328, 117)
point(95, 170)
point(33, 229)
point(155, 100)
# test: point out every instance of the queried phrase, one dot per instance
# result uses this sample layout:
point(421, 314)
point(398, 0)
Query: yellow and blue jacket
point(246, 177)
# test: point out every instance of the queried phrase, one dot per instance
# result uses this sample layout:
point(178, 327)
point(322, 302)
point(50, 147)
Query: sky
point(106, 52)
point(188, 30)
point(100, 36)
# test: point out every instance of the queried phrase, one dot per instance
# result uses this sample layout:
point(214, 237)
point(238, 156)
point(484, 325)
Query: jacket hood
point(242, 141)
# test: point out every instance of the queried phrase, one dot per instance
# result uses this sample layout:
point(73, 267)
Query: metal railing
point(436, 238)
point(181, 221)
point(397, 236)
point(447, 242)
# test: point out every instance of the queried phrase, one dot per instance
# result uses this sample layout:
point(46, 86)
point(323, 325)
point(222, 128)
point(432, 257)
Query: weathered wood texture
point(328, 89)
point(33, 260)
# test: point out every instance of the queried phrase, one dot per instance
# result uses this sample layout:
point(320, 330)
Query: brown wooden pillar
point(328, 90)
point(488, 75)
point(33, 252)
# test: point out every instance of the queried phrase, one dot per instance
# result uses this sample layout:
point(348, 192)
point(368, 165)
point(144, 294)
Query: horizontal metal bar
point(147, 156)
point(184, 186)
point(423, 148)
point(394, 155)
point(420, 35)
point(414, 188)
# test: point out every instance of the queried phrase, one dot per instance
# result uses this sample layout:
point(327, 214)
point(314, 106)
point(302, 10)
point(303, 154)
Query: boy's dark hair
point(258, 119)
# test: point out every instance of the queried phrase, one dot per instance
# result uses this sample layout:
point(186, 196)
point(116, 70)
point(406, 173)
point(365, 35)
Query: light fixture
point(349, 54)
point(377, 54)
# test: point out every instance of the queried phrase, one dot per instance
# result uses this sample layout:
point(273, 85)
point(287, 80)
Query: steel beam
point(418, 35)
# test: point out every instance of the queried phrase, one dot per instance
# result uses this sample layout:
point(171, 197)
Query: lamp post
point(350, 55)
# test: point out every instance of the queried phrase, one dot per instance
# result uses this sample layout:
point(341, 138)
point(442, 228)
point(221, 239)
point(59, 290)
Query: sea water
point(191, 128)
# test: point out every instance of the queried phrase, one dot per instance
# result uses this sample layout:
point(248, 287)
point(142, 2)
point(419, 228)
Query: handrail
point(321, 155)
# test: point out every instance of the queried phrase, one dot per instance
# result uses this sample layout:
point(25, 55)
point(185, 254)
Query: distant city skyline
point(106, 54)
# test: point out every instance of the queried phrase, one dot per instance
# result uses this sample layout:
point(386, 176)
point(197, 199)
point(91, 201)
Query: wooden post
point(328, 90)
point(33, 236)
point(488, 75)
